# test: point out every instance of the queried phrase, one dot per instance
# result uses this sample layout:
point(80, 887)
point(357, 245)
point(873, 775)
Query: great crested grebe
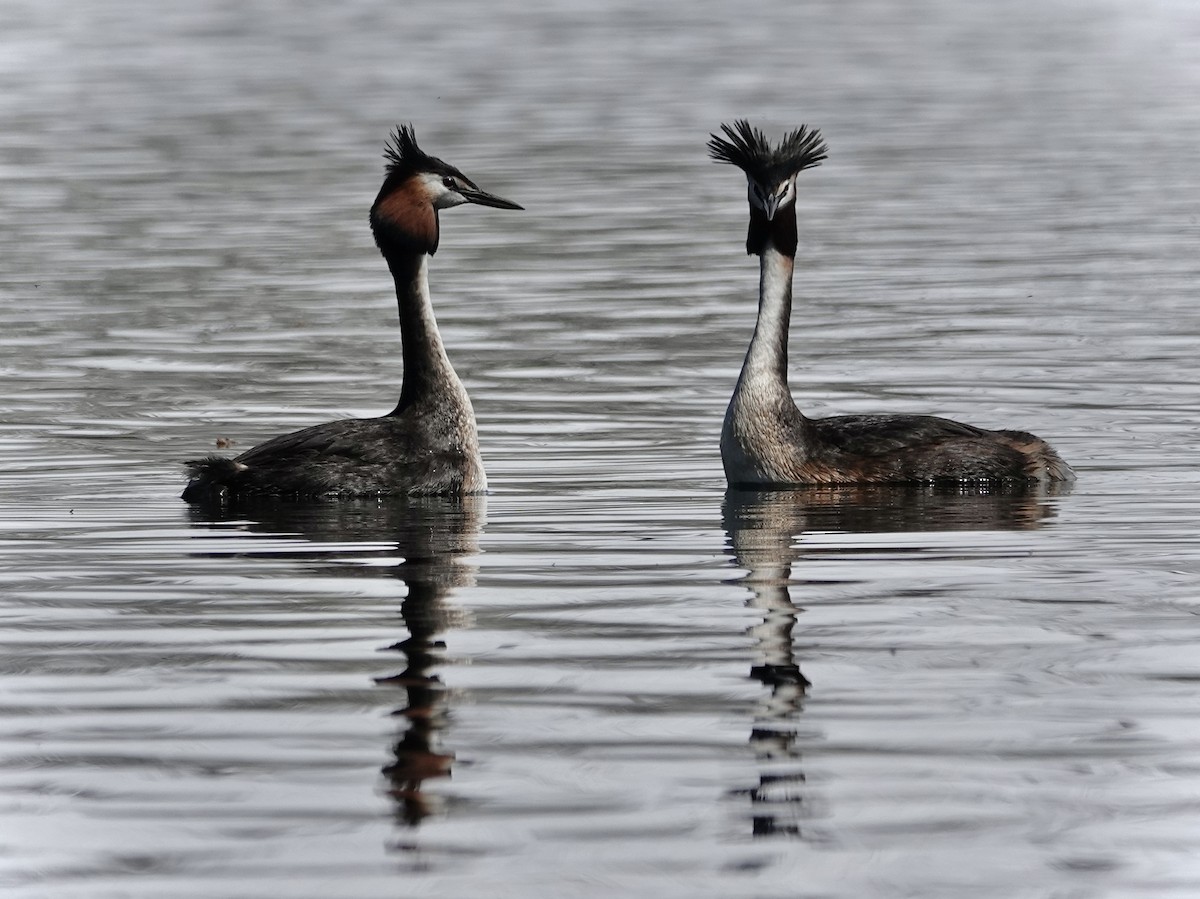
point(766, 441)
point(428, 444)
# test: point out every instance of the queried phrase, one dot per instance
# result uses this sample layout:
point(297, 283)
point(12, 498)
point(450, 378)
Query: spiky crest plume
point(747, 148)
point(404, 157)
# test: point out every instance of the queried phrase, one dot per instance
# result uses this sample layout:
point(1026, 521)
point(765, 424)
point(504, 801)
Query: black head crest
point(748, 149)
point(404, 157)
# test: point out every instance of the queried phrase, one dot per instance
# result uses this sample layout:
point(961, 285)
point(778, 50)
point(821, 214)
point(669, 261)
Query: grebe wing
point(361, 439)
point(878, 448)
point(352, 457)
point(872, 435)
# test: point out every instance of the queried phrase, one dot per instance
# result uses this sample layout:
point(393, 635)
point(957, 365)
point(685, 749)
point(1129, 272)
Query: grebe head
point(770, 172)
point(405, 213)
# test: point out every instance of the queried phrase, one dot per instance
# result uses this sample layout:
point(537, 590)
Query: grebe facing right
point(766, 441)
point(428, 444)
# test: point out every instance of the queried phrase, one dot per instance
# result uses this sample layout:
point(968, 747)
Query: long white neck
point(427, 368)
point(764, 434)
point(766, 360)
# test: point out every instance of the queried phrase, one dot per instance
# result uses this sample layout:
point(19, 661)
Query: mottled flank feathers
point(389, 455)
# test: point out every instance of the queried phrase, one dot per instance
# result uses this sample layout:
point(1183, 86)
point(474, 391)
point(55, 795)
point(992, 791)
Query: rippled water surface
point(608, 677)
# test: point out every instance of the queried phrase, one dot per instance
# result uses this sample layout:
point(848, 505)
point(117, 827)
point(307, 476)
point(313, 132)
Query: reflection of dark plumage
point(432, 541)
point(766, 440)
point(766, 530)
point(428, 444)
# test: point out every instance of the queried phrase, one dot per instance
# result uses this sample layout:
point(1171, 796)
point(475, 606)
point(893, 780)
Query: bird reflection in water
point(436, 562)
point(435, 540)
point(765, 534)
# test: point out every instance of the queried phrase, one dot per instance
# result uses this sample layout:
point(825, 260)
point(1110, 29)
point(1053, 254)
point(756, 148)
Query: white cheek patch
point(449, 198)
point(782, 194)
point(440, 196)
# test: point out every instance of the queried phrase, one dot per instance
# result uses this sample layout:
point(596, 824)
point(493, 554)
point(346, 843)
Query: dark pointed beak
point(483, 198)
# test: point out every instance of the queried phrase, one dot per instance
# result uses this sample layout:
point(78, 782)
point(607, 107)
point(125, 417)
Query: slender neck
point(775, 243)
point(427, 370)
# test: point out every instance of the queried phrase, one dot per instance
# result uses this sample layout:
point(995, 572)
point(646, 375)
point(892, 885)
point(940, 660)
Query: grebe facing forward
point(428, 444)
point(766, 441)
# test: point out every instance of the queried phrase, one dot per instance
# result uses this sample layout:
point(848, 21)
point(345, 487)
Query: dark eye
point(449, 182)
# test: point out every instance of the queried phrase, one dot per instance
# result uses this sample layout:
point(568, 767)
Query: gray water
point(606, 678)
